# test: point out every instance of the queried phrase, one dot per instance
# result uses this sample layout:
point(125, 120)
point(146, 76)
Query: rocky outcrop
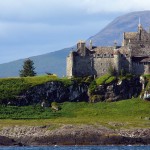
point(5, 141)
point(75, 135)
point(118, 90)
point(54, 91)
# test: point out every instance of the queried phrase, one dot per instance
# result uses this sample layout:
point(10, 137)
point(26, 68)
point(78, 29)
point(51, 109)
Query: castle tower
point(70, 65)
point(91, 46)
point(117, 60)
point(81, 47)
point(124, 41)
point(130, 57)
point(140, 28)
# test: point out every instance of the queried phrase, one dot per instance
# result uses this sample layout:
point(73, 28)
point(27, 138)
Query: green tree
point(28, 69)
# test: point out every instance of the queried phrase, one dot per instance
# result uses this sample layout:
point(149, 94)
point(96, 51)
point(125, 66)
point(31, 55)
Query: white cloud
point(59, 23)
point(97, 6)
point(35, 10)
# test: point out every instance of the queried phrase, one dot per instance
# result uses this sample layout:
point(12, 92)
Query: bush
point(88, 79)
point(96, 98)
point(55, 106)
point(101, 80)
point(92, 87)
point(110, 80)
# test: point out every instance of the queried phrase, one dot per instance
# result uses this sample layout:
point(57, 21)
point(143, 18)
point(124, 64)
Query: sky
point(35, 27)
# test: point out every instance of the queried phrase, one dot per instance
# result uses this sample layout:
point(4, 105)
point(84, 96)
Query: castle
point(132, 57)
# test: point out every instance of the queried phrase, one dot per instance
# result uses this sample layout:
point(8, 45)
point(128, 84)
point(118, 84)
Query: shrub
point(92, 87)
point(110, 80)
point(96, 98)
point(55, 106)
point(88, 79)
point(101, 80)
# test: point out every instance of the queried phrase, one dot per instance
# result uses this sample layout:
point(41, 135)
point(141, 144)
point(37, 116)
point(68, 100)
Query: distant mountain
point(55, 62)
point(114, 30)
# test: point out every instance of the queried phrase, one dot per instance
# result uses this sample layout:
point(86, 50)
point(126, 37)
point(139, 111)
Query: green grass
point(126, 114)
point(11, 87)
point(105, 79)
point(110, 80)
point(101, 80)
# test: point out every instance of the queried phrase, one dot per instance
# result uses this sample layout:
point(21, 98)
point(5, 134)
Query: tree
point(28, 69)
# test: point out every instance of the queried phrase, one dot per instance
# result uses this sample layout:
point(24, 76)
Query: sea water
point(79, 148)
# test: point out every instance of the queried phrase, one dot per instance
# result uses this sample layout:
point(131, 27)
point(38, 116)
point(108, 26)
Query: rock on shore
point(72, 135)
point(5, 141)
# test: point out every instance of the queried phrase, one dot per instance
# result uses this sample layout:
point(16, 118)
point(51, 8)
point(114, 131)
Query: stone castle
point(132, 57)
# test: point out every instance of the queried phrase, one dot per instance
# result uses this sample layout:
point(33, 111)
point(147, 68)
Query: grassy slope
point(11, 87)
point(122, 114)
point(127, 113)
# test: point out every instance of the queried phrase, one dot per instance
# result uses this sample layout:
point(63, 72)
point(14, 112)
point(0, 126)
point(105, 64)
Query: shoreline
point(71, 135)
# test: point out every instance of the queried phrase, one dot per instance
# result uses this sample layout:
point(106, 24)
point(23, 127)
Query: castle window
point(145, 63)
point(99, 55)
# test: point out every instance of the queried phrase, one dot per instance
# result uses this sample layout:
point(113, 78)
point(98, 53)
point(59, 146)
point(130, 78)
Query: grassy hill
point(130, 113)
point(122, 114)
point(12, 87)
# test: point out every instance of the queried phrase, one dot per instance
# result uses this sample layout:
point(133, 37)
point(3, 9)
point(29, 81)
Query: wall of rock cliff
point(56, 91)
point(117, 90)
point(53, 91)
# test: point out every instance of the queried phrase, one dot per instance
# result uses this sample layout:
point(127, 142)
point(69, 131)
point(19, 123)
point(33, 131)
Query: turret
point(140, 28)
point(115, 44)
point(70, 65)
point(91, 46)
point(124, 40)
point(117, 59)
point(81, 48)
point(81, 45)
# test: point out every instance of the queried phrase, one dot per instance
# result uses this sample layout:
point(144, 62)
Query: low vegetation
point(122, 114)
point(11, 87)
point(101, 80)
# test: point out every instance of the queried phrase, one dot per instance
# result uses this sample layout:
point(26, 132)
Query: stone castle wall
point(83, 66)
point(86, 66)
point(101, 65)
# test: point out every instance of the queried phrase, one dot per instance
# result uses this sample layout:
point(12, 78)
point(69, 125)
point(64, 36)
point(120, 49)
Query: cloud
point(40, 26)
point(60, 11)
point(99, 6)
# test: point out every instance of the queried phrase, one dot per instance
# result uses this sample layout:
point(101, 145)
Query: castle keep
point(132, 57)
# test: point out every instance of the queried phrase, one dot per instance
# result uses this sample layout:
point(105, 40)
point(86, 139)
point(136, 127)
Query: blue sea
point(79, 148)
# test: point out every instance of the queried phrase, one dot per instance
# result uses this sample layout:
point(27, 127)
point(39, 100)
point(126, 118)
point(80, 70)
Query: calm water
point(79, 148)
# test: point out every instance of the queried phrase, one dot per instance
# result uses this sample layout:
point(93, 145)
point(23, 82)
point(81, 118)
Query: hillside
point(55, 62)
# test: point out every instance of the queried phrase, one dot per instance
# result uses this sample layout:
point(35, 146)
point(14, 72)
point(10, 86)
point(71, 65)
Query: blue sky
point(34, 27)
